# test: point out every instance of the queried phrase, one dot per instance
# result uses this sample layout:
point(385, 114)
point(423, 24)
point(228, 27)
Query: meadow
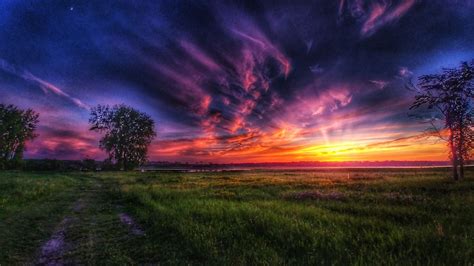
point(260, 217)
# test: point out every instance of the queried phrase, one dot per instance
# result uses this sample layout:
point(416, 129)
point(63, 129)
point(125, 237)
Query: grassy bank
point(358, 216)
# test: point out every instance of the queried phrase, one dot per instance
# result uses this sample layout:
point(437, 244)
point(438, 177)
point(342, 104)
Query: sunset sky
point(238, 81)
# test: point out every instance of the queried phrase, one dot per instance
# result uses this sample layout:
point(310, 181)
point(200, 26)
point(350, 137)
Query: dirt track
point(85, 226)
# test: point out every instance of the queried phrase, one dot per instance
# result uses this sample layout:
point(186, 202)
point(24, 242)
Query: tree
point(16, 127)
point(451, 95)
point(127, 133)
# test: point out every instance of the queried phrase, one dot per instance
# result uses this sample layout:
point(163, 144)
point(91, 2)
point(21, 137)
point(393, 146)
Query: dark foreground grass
point(358, 216)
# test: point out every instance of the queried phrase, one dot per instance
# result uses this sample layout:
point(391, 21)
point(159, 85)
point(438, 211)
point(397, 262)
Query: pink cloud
point(329, 100)
point(65, 142)
point(199, 56)
point(380, 84)
point(44, 85)
point(404, 72)
point(375, 13)
point(381, 16)
point(377, 10)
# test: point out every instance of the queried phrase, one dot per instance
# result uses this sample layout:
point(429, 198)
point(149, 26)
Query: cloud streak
point(375, 14)
point(44, 85)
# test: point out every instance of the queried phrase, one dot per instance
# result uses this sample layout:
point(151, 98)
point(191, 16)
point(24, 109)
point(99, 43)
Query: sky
point(234, 81)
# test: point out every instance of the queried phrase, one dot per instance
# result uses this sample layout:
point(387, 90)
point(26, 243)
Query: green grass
point(31, 205)
point(332, 216)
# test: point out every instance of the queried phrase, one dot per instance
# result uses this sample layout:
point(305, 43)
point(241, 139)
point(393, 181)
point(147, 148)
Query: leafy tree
point(16, 127)
point(127, 133)
point(451, 94)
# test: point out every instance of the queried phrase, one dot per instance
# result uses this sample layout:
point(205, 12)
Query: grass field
point(331, 216)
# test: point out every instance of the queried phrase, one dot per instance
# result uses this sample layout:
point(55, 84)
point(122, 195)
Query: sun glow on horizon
point(281, 149)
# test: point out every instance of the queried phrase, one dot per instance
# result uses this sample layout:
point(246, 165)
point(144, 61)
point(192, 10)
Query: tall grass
point(396, 216)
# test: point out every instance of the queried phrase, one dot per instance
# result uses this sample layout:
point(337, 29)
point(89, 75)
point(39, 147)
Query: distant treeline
point(93, 165)
point(64, 165)
point(202, 165)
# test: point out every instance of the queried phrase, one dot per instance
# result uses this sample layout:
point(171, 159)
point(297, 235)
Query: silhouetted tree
point(451, 94)
point(127, 133)
point(16, 127)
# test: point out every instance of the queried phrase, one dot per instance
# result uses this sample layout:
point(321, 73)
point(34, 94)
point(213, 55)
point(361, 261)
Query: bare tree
point(464, 133)
point(450, 94)
point(127, 133)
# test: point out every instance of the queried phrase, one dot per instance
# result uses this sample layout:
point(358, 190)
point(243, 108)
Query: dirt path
point(95, 221)
point(133, 227)
point(52, 252)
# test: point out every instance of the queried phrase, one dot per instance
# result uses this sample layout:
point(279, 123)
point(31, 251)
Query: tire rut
point(77, 236)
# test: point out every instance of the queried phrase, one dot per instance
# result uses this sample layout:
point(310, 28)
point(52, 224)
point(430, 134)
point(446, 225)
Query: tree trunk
point(455, 169)
point(452, 146)
point(460, 147)
point(122, 160)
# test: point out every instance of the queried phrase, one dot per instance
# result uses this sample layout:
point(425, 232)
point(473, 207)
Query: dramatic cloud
point(233, 82)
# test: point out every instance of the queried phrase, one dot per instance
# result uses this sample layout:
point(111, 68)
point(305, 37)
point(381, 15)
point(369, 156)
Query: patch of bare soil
point(133, 227)
point(397, 196)
point(319, 195)
point(52, 252)
point(79, 205)
point(364, 177)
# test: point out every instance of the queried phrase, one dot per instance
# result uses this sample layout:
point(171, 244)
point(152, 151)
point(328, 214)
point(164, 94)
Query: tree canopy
point(451, 94)
point(16, 127)
point(127, 133)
